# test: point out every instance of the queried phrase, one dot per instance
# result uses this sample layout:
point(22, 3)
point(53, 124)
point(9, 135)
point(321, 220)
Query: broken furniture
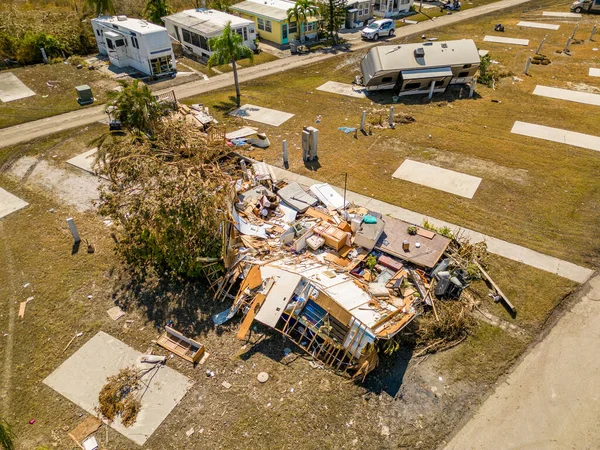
point(369, 233)
point(296, 197)
point(177, 343)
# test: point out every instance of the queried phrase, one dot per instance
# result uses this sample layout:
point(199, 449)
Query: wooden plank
point(22, 309)
point(397, 326)
point(249, 318)
point(495, 286)
point(253, 279)
point(425, 233)
point(312, 212)
point(337, 260)
point(88, 426)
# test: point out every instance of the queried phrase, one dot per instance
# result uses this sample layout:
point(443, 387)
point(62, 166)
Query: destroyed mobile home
point(332, 277)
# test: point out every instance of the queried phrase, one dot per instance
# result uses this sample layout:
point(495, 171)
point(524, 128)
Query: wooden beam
point(249, 318)
point(507, 302)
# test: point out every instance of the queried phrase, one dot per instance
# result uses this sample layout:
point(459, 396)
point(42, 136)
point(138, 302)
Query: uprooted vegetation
point(120, 396)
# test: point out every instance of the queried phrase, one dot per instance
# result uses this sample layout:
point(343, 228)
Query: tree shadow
point(389, 375)
point(226, 106)
point(189, 304)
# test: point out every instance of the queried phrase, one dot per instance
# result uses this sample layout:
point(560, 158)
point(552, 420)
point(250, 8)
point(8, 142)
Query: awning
point(353, 10)
point(438, 72)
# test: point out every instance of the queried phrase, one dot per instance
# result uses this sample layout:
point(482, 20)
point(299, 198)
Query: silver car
point(383, 27)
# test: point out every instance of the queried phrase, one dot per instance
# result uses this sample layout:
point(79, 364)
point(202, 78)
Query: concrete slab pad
point(557, 135)
point(81, 377)
point(85, 161)
point(10, 203)
point(262, 115)
point(543, 26)
point(594, 72)
point(11, 88)
point(561, 14)
point(348, 90)
point(506, 40)
point(437, 178)
point(566, 94)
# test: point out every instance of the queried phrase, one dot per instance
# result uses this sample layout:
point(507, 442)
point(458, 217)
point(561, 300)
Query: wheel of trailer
point(391, 32)
point(578, 10)
point(376, 37)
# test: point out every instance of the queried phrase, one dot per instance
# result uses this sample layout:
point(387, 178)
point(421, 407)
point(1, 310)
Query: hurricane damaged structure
point(332, 277)
point(418, 68)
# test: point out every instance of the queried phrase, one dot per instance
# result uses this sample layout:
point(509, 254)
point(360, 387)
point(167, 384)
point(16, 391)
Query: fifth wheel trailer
point(412, 68)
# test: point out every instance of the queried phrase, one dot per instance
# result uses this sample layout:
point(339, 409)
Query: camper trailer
point(417, 68)
point(135, 43)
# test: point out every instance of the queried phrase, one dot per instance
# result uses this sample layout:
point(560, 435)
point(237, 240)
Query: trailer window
point(410, 86)
point(98, 32)
point(135, 42)
point(463, 74)
point(467, 66)
point(186, 36)
point(110, 44)
point(386, 79)
point(119, 42)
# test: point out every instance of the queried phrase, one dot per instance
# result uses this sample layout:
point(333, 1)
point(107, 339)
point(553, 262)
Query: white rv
point(194, 27)
point(135, 43)
point(417, 68)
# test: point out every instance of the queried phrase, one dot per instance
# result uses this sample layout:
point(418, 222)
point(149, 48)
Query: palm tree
point(135, 106)
point(302, 10)
point(101, 6)
point(6, 436)
point(157, 9)
point(228, 48)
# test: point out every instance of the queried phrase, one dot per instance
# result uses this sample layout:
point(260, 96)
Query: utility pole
point(345, 185)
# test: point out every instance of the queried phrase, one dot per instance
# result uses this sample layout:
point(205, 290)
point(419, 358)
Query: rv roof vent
point(444, 45)
point(121, 18)
point(419, 52)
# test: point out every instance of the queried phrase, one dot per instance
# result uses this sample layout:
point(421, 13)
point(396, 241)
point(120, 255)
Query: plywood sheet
point(557, 135)
point(543, 26)
point(506, 40)
point(566, 94)
point(396, 232)
point(437, 178)
point(262, 115)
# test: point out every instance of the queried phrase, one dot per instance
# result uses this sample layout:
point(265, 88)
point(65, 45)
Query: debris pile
point(333, 277)
point(120, 396)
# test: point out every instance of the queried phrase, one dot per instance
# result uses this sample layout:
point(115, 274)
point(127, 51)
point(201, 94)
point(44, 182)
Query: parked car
point(587, 6)
point(383, 27)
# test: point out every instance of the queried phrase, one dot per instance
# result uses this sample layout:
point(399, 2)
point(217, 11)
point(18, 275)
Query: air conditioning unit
point(121, 18)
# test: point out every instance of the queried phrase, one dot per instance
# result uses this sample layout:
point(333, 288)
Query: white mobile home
point(390, 8)
point(413, 68)
point(194, 27)
point(135, 43)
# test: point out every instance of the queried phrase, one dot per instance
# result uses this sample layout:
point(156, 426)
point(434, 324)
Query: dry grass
point(539, 194)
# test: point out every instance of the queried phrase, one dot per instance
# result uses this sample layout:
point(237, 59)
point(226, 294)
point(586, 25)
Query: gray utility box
point(84, 95)
point(310, 143)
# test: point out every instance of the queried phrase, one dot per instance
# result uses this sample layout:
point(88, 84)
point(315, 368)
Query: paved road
point(31, 130)
point(552, 398)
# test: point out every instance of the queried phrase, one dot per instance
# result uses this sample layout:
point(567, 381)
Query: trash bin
point(293, 48)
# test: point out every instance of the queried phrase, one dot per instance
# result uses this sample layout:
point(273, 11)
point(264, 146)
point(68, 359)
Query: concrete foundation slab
point(506, 40)
point(11, 88)
point(81, 377)
point(348, 90)
point(557, 135)
point(566, 94)
point(437, 178)
point(594, 72)
point(543, 26)
point(561, 14)
point(262, 115)
point(85, 161)
point(10, 203)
